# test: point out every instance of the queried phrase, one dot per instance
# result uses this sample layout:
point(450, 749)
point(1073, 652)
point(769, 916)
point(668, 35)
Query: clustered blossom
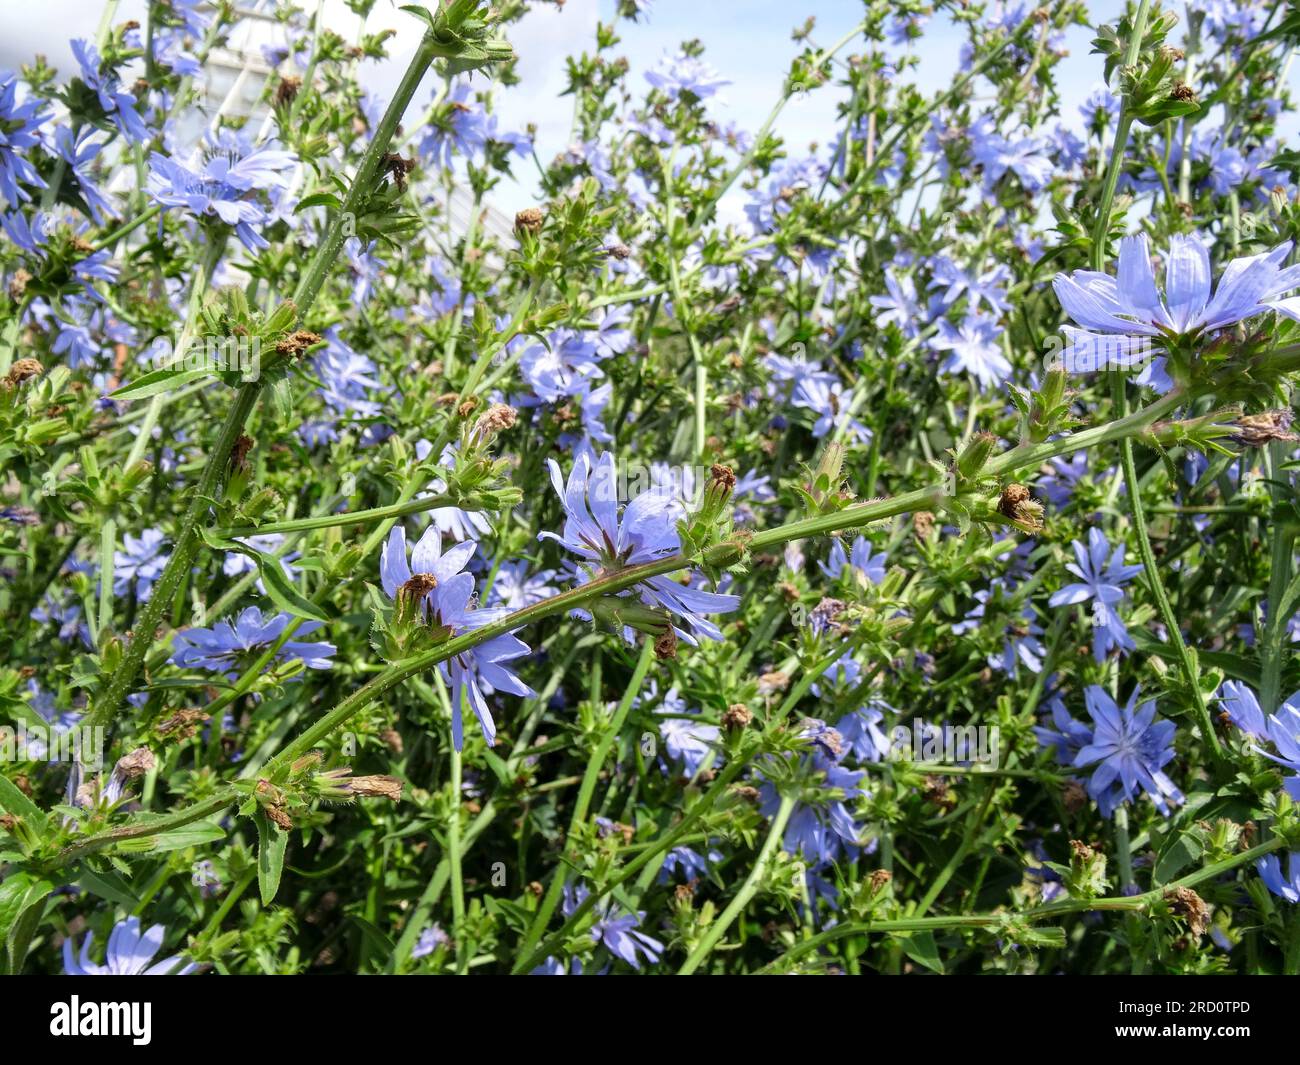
point(617, 929)
point(1126, 747)
point(1280, 729)
point(434, 584)
point(1102, 575)
point(823, 830)
point(231, 645)
point(645, 532)
point(1130, 307)
point(220, 180)
point(838, 315)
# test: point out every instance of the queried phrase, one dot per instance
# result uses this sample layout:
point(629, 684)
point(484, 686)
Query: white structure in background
point(236, 77)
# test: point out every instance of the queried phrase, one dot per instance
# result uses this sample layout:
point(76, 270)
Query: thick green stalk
point(611, 584)
point(1151, 572)
point(213, 477)
point(1101, 231)
point(1281, 550)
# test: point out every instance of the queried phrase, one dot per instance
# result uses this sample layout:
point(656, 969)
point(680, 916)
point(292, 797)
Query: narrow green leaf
point(156, 381)
point(272, 842)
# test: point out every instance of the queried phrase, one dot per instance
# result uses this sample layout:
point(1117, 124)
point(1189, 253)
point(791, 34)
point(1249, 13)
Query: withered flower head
point(24, 370)
point(1019, 506)
point(737, 717)
point(529, 220)
point(297, 342)
point(287, 90)
point(134, 765)
point(380, 787)
point(1256, 430)
point(1185, 903)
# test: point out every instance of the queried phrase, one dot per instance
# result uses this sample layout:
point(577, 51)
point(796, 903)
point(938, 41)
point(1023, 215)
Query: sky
point(747, 41)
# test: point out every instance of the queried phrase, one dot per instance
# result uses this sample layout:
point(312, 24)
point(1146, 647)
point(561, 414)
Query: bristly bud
point(261, 502)
point(827, 478)
point(1256, 430)
point(1049, 408)
point(975, 455)
point(614, 613)
point(831, 463)
point(717, 490)
point(1087, 876)
point(135, 476)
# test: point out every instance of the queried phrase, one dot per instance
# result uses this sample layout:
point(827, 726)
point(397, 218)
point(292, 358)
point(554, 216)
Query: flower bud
point(975, 455)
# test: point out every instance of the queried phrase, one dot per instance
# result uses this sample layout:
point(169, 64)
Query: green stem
point(1102, 229)
point(595, 763)
point(354, 517)
point(747, 891)
point(213, 476)
point(1281, 549)
point(621, 580)
point(1151, 573)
